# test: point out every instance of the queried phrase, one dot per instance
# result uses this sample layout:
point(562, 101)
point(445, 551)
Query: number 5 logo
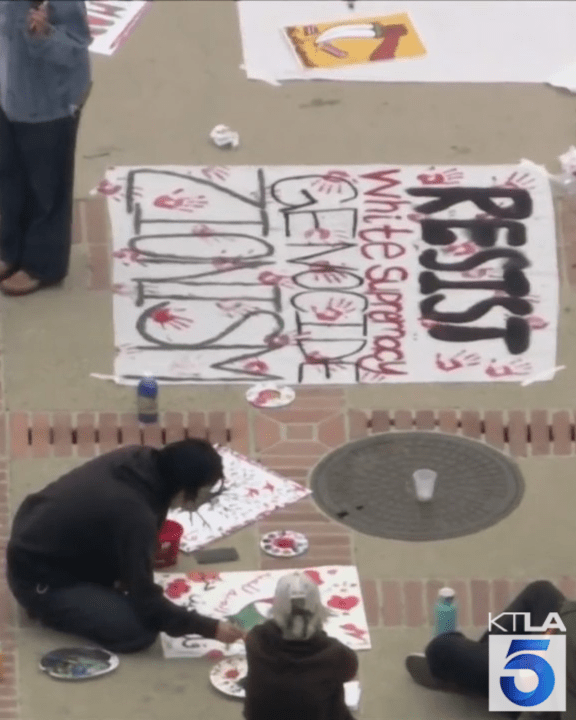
point(528, 661)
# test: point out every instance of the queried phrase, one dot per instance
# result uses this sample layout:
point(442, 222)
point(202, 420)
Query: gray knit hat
point(297, 607)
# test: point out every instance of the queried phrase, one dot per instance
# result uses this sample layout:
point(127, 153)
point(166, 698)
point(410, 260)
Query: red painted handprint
point(164, 316)
point(324, 270)
point(129, 256)
point(479, 273)
point(525, 181)
point(460, 249)
point(269, 278)
point(274, 341)
point(334, 310)
point(185, 204)
point(318, 234)
point(514, 367)
point(256, 366)
point(452, 176)
point(215, 172)
point(316, 358)
point(537, 323)
point(461, 360)
point(234, 308)
point(124, 290)
point(354, 631)
point(334, 181)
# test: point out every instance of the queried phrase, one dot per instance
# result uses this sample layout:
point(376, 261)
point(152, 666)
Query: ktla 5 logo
point(527, 672)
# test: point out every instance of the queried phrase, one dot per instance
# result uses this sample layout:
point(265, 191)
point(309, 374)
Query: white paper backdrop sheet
point(252, 492)
point(312, 274)
point(250, 593)
point(479, 41)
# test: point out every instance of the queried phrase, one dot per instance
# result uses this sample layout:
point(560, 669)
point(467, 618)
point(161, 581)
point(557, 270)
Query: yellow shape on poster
point(356, 41)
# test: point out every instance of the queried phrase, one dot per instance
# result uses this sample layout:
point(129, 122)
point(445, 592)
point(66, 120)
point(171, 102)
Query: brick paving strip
point(289, 440)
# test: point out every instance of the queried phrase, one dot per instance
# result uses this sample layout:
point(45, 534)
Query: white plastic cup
point(424, 483)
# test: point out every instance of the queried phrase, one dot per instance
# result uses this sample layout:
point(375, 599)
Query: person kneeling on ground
point(75, 543)
point(295, 670)
point(454, 663)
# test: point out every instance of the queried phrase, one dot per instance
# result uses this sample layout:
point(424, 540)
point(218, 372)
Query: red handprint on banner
point(270, 278)
point(317, 234)
point(461, 360)
point(452, 176)
point(537, 323)
point(479, 273)
point(224, 263)
point(116, 192)
point(333, 181)
point(124, 290)
point(256, 366)
point(334, 310)
point(460, 249)
point(275, 341)
point(216, 172)
point(164, 316)
point(324, 270)
point(233, 308)
point(426, 323)
point(519, 180)
point(514, 367)
point(316, 358)
point(129, 256)
point(203, 231)
point(185, 204)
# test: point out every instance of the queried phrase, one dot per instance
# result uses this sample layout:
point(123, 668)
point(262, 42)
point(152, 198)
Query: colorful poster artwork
point(246, 598)
point(355, 41)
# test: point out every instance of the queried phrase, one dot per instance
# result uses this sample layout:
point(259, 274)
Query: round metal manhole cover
point(368, 486)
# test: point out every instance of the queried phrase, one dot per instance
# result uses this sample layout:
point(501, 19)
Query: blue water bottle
point(445, 612)
point(147, 400)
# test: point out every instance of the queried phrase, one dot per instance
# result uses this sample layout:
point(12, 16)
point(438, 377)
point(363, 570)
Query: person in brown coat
point(295, 670)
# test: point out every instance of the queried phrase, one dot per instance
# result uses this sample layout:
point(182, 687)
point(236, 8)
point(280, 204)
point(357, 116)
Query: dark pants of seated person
point(102, 615)
point(456, 659)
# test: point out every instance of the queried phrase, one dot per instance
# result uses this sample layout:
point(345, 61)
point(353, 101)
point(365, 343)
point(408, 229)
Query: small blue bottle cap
point(147, 386)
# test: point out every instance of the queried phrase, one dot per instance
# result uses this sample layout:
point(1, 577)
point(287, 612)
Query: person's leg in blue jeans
point(102, 615)
point(462, 663)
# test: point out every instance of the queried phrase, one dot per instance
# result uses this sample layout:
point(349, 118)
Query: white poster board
point(476, 41)
point(333, 275)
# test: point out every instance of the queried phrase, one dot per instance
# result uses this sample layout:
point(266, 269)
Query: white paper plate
point(284, 543)
point(225, 675)
point(270, 395)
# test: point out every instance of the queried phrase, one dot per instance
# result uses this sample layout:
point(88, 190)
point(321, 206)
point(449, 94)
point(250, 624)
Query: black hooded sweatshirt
point(296, 679)
point(99, 523)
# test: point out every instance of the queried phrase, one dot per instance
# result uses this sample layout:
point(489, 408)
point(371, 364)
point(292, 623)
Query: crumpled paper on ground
point(223, 136)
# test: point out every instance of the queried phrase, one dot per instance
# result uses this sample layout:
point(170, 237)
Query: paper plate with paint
point(269, 395)
point(80, 663)
point(284, 543)
point(229, 676)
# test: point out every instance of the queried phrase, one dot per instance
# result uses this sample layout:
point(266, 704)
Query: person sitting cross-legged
point(295, 670)
point(82, 550)
point(453, 662)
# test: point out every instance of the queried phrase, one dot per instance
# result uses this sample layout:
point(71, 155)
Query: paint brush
point(200, 516)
